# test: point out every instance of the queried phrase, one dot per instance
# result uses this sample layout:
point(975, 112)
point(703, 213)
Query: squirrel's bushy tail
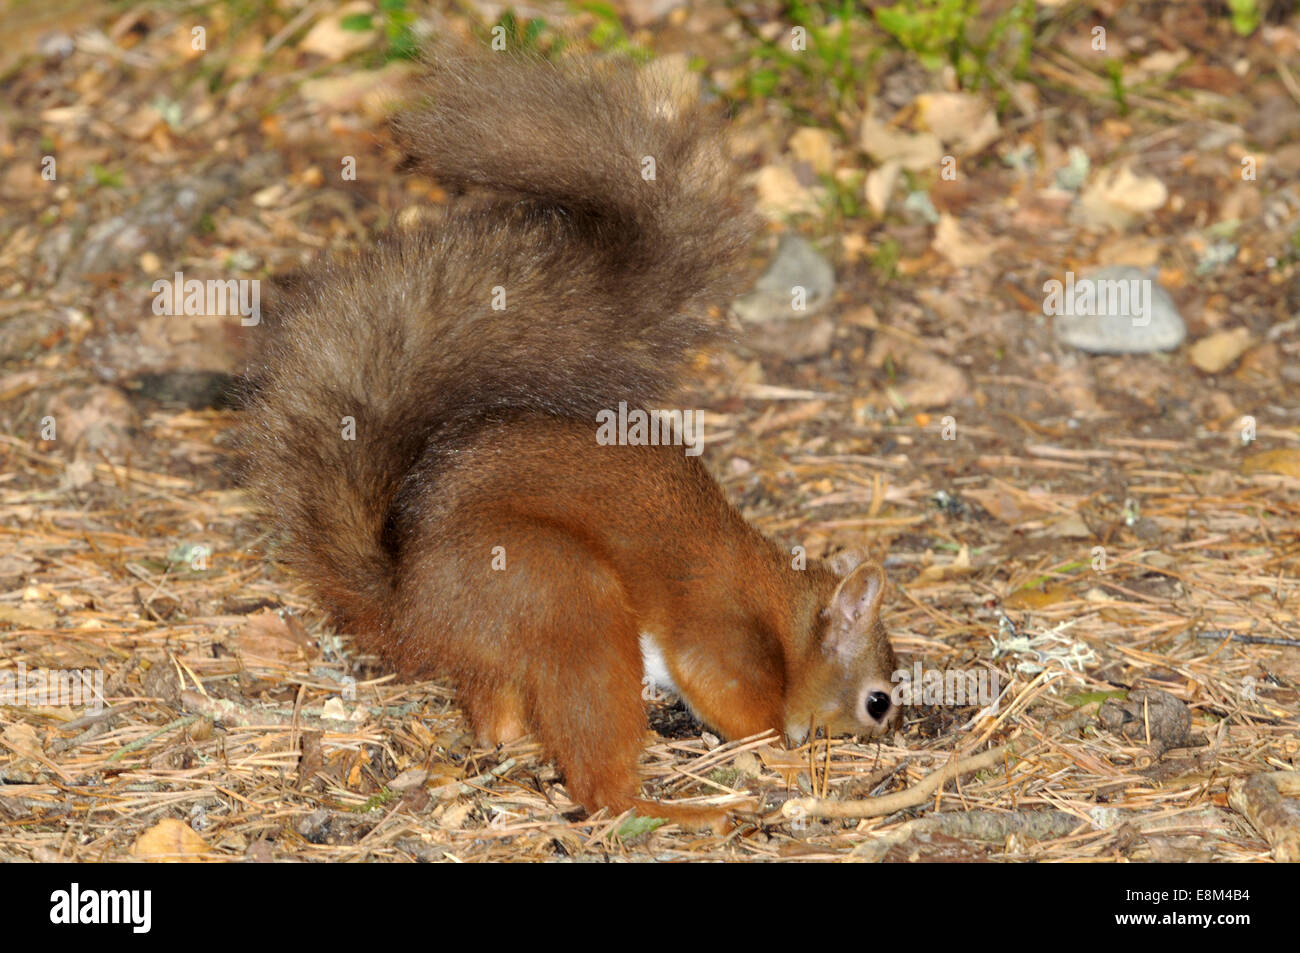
point(613, 219)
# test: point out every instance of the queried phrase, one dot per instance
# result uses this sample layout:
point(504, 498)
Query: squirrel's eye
point(877, 705)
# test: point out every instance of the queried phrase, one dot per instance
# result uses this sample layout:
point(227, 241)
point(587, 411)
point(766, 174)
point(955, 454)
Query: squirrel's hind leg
point(590, 715)
point(581, 672)
point(496, 714)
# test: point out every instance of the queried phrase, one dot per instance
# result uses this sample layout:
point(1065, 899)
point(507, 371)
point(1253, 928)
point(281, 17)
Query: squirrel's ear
point(845, 561)
point(854, 609)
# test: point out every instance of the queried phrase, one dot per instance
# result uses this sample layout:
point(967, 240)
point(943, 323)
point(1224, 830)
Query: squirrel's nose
point(878, 705)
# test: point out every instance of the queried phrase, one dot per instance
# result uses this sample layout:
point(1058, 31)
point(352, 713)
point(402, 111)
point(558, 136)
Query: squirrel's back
point(611, 221)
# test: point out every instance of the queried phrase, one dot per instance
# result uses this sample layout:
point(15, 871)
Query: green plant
point(827, 50)
point(535, 35)
point(1115, 73)
point(932, 29)
point(105, 177)
point(885, 258)
point(530, 37)
point(395, 24)
point(608, 33)
point(953, 32)
point(636, 827)
point(1245, 16)
point(844, 195)
point(376, 801)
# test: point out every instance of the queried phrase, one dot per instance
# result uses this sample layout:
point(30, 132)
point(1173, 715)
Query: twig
point(1262, 799)
point(126, 749)
point(983, 825)
point(916, 795)
point(1249, 639)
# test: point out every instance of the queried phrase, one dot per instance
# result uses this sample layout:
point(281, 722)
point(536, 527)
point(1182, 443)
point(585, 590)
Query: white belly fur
point(654, 667)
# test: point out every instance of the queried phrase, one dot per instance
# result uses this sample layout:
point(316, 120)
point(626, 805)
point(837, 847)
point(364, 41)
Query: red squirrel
point(421, 436)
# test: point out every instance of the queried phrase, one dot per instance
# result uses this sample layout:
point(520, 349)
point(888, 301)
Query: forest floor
point(1113, 540)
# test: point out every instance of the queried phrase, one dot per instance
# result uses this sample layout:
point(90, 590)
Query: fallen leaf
point(780, 193)
point(373, 92)
point(24, 618)
point(788, 764)
point(926, 381)
point(408, 779)
point(1159, 63)
point(456, 815)
point(814, 146)
point(1285, 461)
point(958, 246)
point(171, 841)
point(1071, 527)
point(23, 740)
point(1008, 504)
point(880, 185)
point(914, 152)
point(961, 120)
point(1037, 598)
point(1217, 352)
point(329, 38)
point(266, 635)
point(1118, 197)
point(960, 566)
point(1135, 251)
point(334, 709)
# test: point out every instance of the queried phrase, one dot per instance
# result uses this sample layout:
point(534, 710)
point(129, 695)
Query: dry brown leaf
point(880, 185)
point(171, 842)
point(23, 740)
point(27, 618)
point(958, 246)
point(1118, 197)
point(788, 764)
point(814, 146)
point(960, 566)
point(1071, 527)
point(1217, 352)
point(1007, 504)
point(266, 635)
point(915, 153)
point(374, 92)
point(962, 120)
point(1037, 598)
point(780, 193)
point(1285, 461)
point(329, 39)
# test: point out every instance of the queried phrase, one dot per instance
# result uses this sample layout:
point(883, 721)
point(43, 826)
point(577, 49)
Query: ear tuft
point(859, 594)
point(845, 561)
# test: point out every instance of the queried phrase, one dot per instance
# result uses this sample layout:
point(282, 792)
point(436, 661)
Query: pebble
point(1128, 331)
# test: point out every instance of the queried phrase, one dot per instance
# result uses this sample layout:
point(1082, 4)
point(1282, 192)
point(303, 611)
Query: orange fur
point(475, 440)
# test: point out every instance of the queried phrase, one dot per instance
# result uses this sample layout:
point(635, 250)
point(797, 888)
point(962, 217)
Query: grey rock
point(23, 333)
point(919, 207)
point(1275, 122)
point(164, 215)
point(1115, 310)
point(793, 340)
point(57, 45)
point(796, 265)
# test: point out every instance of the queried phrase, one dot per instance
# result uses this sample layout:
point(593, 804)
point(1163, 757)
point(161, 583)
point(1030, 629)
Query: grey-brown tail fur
point(603, 271)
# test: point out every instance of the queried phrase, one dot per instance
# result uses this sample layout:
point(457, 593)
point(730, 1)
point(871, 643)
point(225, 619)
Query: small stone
point(1116, 310)
point(798, 284)
point(24, 333)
